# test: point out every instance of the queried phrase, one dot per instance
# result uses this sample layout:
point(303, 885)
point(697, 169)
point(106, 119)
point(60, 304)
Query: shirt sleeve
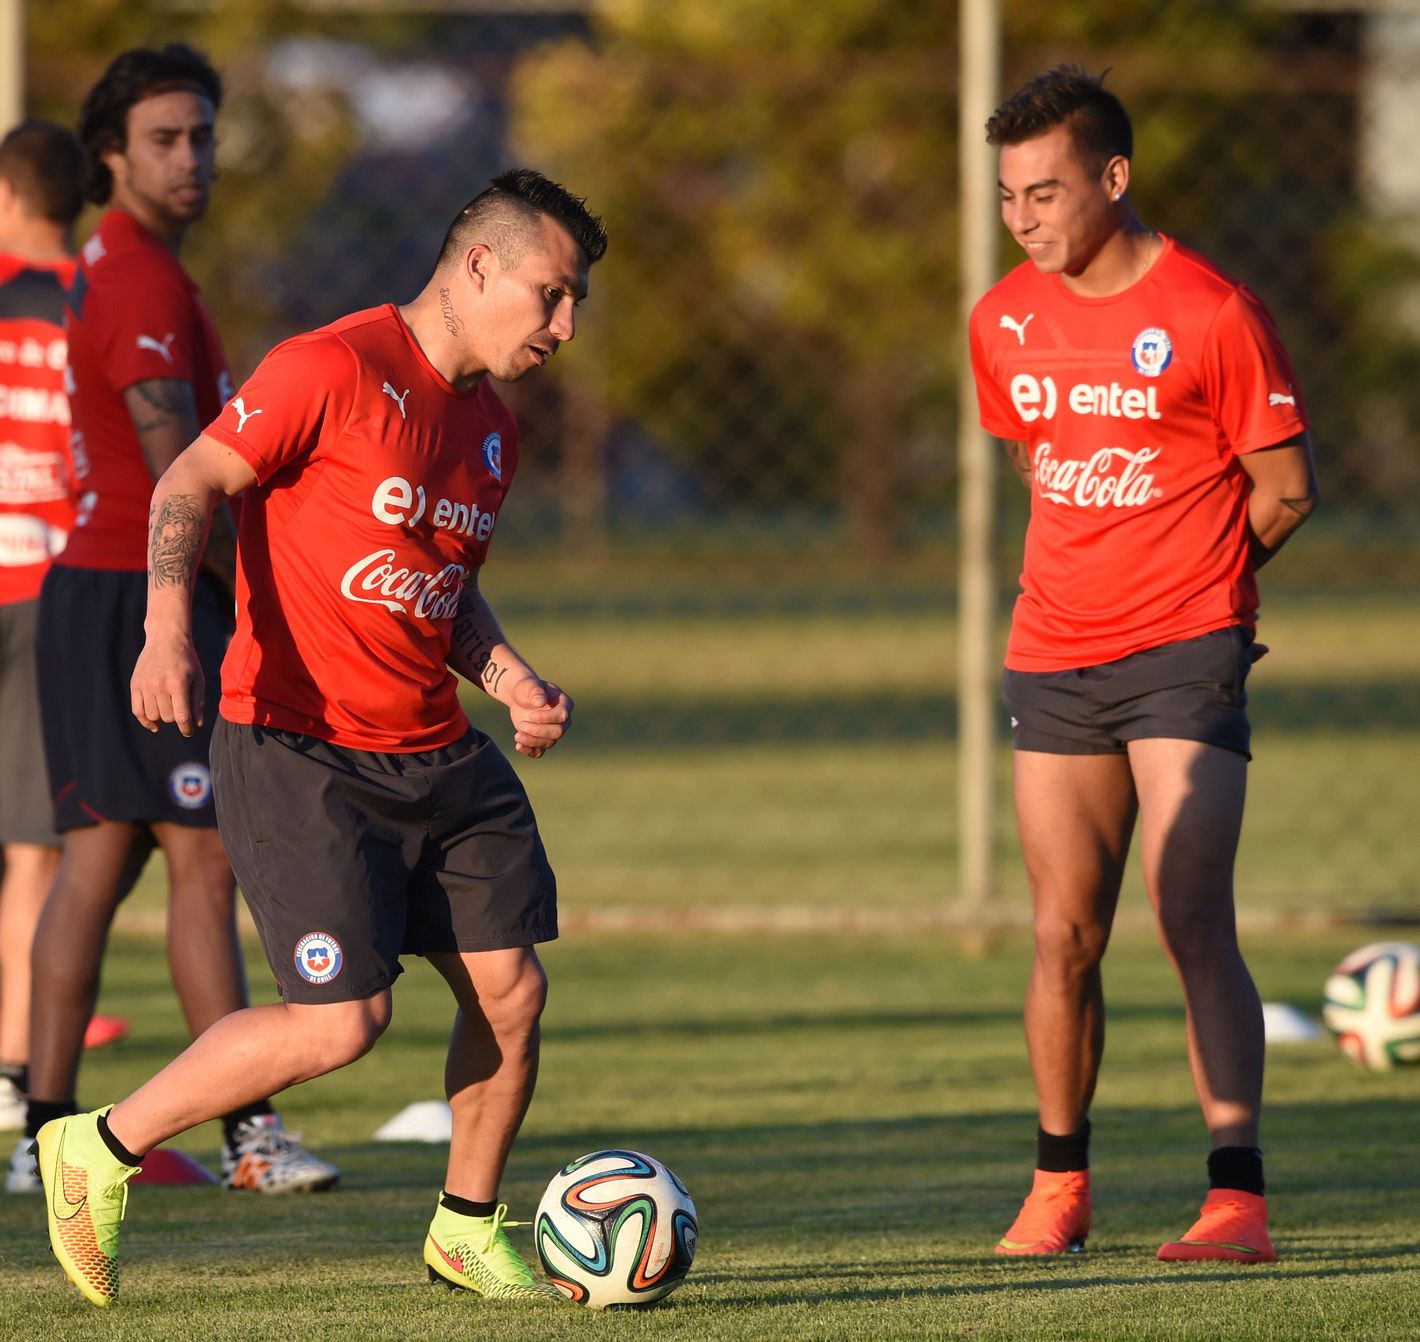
point(145, 327)
point(1248, 378)
point(997, 413)
point(304, 387)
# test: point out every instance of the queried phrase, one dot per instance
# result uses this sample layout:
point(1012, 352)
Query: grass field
point(763, 984)
point(852, 1115)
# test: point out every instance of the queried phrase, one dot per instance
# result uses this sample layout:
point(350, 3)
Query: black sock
point(40, 1112)
point(465, 1207)
point(18, 1072)
point(231, 1121)
point(1061, 1155)
point(1236, 1167)
point(120, 1152)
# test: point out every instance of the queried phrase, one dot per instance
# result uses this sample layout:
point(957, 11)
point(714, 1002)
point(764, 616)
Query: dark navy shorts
point(350, 858)
point(1193, 690)
point(102, 764)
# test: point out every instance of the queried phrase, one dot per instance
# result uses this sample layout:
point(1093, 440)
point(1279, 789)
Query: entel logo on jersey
point(1036, 398)
point(318, 957)
point(396, 496)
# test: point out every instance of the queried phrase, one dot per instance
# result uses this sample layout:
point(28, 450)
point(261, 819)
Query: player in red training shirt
point(146, 370)
point(41, 195)
point(1149, 406)
point(365, 817)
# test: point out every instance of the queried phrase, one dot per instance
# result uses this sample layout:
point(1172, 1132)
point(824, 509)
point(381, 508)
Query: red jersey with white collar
point(378, 486)
point(36, 510)
point(1135, 409)
point(133, 314)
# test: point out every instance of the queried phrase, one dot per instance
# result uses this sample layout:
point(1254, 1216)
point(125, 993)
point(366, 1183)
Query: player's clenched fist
point(541, 714)
point(167, 683)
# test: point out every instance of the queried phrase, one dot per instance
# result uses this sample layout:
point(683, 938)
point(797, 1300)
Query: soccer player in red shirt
point(1149, 406)
point(145, 371)
point(41, 195)
point(365, 817)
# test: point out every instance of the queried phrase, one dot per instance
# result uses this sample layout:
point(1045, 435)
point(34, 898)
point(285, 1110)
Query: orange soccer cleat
point(1055, 1218)
point(1232, 1227)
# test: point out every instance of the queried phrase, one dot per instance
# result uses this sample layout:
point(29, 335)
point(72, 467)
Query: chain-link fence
point(733, 533)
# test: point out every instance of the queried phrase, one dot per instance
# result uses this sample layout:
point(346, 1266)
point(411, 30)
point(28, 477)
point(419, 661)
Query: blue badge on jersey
point(493, 455)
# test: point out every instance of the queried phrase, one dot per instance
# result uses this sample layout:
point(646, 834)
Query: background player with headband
point(1149, 406)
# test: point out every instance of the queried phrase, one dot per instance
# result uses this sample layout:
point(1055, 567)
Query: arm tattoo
point(1302, 507)
point(493, 676)
point(452, 322)
point(162, 400)
point(1019, 454)
point(176, 528)
point(472, 642)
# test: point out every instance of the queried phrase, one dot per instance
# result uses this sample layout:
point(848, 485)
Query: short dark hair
point(44, 163)
point(506, 214)
point(142, 72)
point(1069, 96)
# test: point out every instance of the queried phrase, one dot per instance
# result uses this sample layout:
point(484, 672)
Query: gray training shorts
point(1193, 690)
point(350, 858)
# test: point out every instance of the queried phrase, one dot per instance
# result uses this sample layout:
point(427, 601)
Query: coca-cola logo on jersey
point(404, 591)
point(1113, 477)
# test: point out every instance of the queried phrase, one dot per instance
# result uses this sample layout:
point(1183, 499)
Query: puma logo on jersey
point(1277, 398)
point(243, 414)
point(1011, 324)
point(159, 346)
point(396, 398)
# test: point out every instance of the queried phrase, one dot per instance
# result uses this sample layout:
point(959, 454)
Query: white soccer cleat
point(265, 1158)
point(23, 1174)
point(12, 1106)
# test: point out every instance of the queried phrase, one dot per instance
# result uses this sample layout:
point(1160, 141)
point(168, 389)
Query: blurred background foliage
point(744, 467)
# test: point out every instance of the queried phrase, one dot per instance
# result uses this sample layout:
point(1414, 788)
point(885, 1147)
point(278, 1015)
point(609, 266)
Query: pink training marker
point(161, 1166)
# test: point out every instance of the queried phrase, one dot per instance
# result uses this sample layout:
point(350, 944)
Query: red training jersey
point(1135, 409)
point(134, 314)
point(36, 510)
point(377, 489)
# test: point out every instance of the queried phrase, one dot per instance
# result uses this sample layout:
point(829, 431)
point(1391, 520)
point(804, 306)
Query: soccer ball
point(616, 1229)
point(1373, 1005)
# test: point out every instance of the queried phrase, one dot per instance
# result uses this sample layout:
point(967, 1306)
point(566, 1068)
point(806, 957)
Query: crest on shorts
point(493, 455)
point(190, 785)
point(1151, 352)
point(318, 957)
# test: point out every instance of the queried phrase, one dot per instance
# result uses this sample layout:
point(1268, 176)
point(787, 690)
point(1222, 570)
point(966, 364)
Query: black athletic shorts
point(350, 858)
point(26, 815)
point(1188, 691)
point(102, 764)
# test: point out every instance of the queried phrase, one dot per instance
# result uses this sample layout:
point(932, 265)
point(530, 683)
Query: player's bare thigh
point(1075, 814)
point(1191, 799)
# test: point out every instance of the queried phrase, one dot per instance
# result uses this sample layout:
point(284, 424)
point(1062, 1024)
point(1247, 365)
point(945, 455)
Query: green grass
point(852, 1113)
point(761, 983)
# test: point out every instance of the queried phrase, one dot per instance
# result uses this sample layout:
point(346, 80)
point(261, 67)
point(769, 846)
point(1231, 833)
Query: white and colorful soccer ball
point(1373, 1005)
point(616, 1228)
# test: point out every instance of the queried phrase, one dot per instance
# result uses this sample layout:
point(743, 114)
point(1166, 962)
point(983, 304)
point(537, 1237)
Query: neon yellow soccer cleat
point(471, 1253)
point(85, 1191)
